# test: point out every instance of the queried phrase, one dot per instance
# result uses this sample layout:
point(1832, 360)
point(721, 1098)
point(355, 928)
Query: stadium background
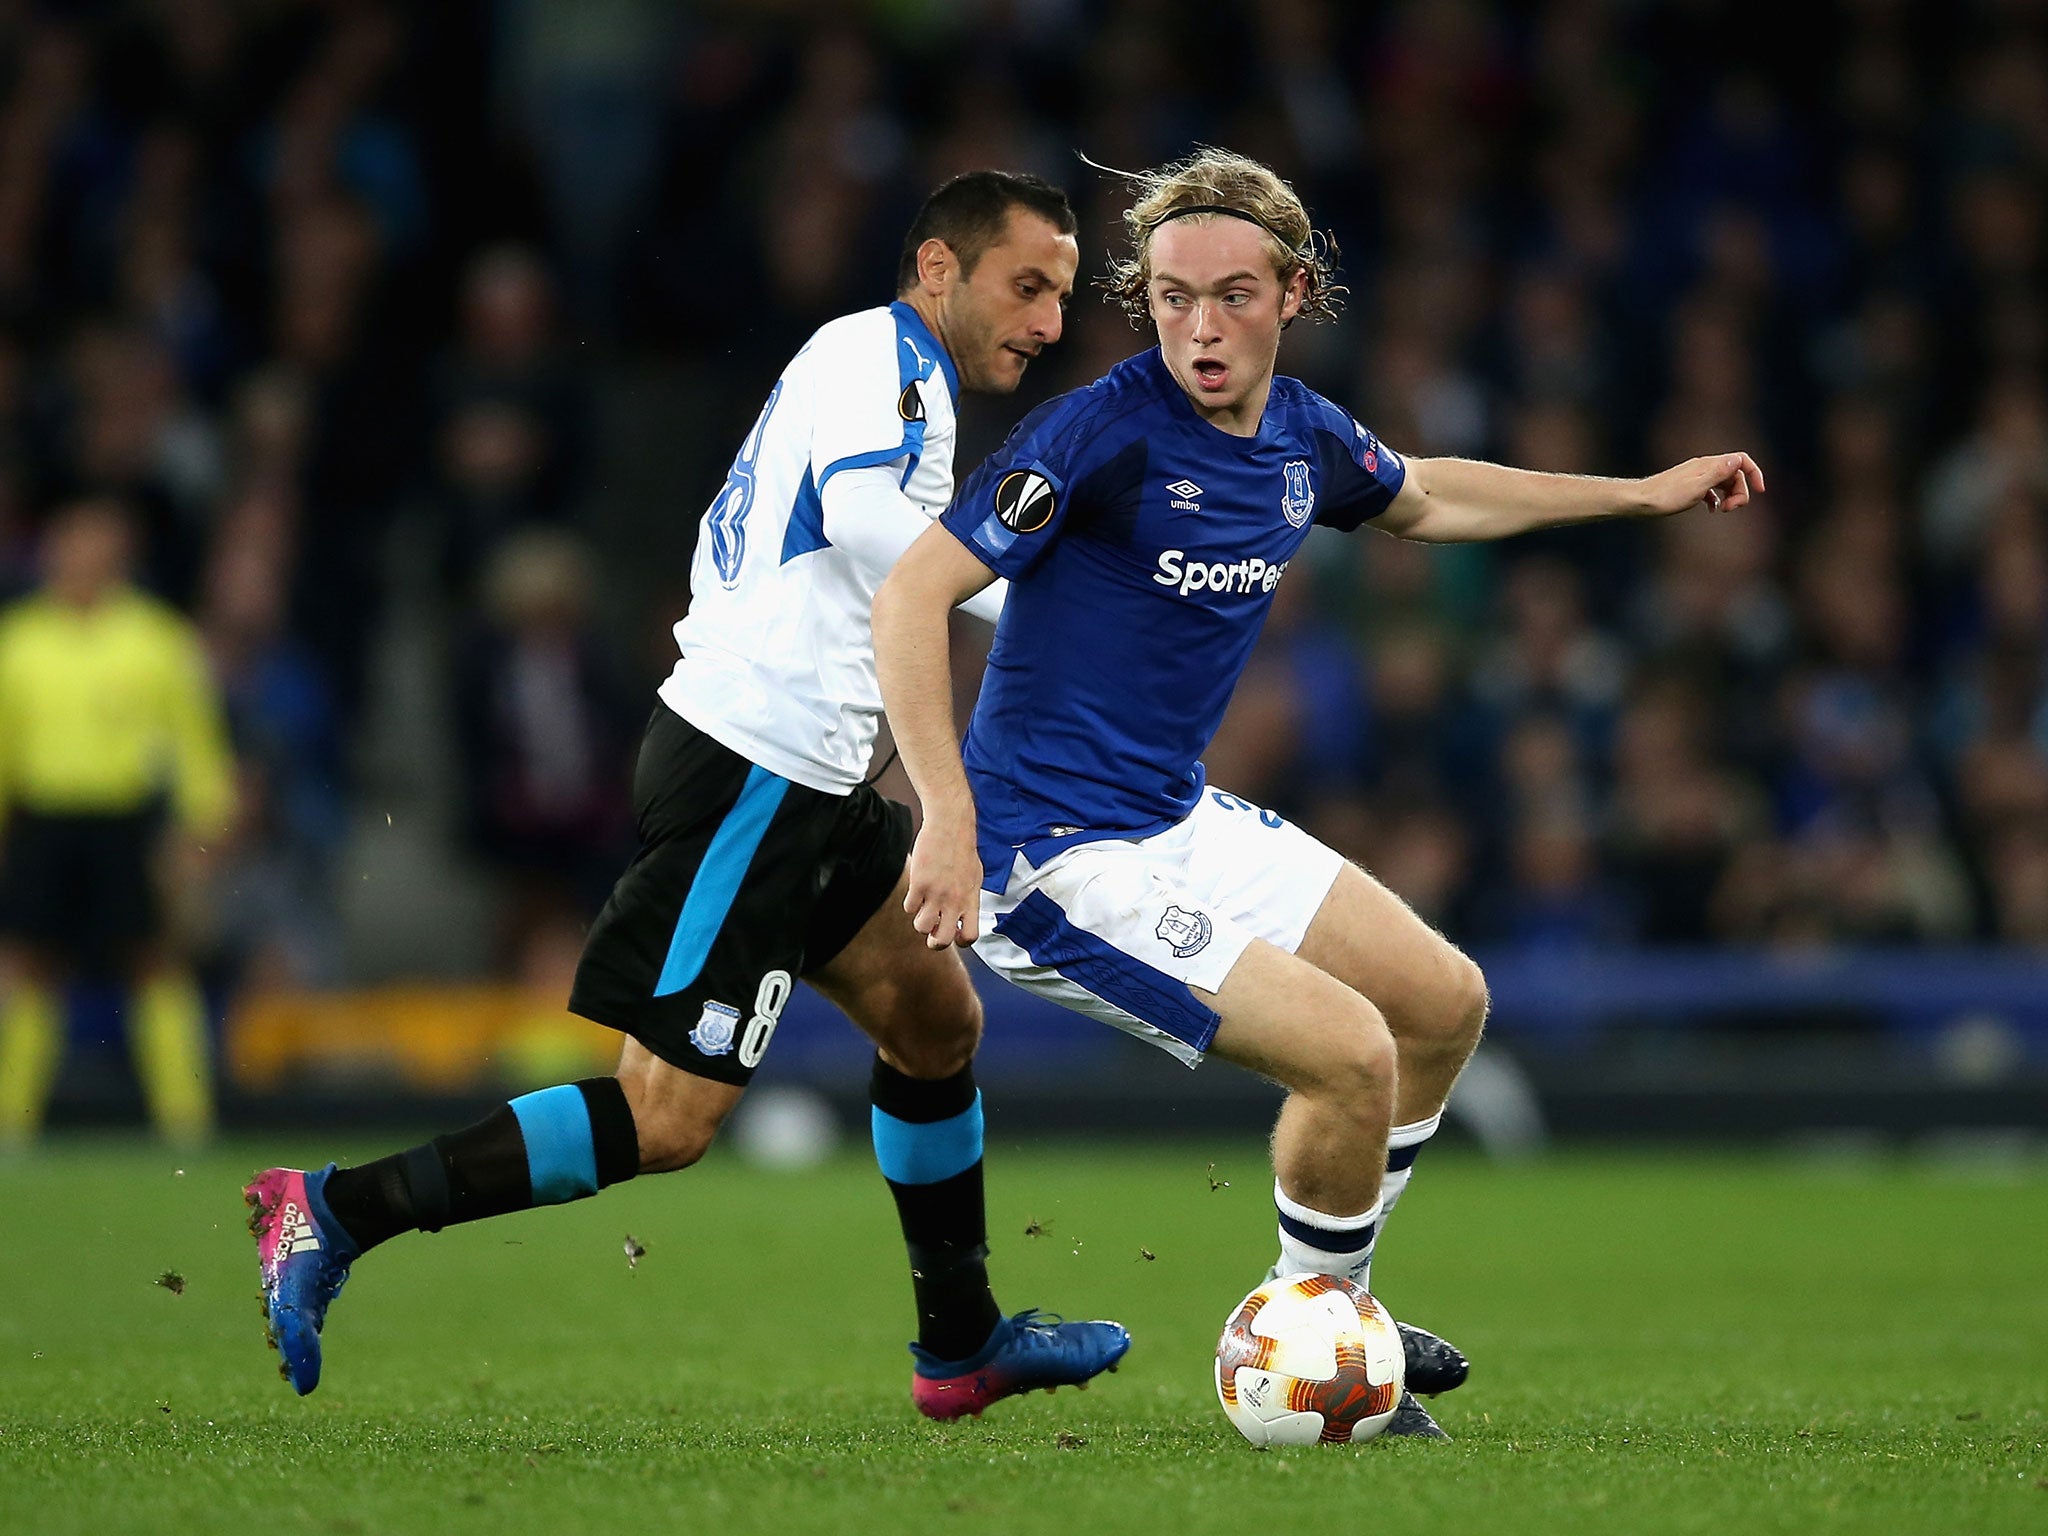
point(419, 337)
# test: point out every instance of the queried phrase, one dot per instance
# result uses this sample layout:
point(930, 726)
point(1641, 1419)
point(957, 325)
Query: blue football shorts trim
point(1040, 927)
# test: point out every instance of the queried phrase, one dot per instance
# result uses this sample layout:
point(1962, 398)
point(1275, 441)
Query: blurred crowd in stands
point(285, 276)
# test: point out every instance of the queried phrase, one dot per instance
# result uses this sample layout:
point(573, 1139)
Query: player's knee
point(1469, 1000)
point(935, 1036)
point(1465, 1000)
point(674, 1130)
point(671, 1142)
point(942, 1050)
point(1478, 1001)
point(1449, 1018)
point(1362, 1065)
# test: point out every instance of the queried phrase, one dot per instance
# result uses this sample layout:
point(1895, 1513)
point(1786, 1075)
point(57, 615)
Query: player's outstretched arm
point(1461, 501)
point(913, 661)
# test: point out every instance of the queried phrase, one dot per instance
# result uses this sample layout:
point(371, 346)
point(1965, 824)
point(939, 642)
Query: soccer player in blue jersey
point(1143, 523)
point(766, 854)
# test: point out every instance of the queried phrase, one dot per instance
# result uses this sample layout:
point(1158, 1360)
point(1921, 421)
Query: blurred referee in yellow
point(114, 769)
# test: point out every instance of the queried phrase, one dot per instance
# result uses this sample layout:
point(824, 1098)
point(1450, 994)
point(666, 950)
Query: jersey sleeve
point(870, 406)
point(1361, 475)
point(1012, 509)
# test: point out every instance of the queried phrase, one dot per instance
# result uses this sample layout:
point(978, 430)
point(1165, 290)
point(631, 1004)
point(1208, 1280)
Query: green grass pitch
point(1662, 1344)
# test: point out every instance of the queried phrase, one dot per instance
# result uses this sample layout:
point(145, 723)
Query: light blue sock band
point(925, 1154)
point(561, 1153)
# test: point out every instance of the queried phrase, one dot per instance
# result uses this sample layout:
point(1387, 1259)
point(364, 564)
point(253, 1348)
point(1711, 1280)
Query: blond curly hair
point(1215, 183)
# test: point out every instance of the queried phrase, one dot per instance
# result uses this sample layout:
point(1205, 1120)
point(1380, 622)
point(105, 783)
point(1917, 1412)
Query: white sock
point(1404, 1145)
point(1320, 1244)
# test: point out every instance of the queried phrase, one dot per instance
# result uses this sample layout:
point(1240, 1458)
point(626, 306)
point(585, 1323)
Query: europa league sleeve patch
point(1025, 501)
point(910, 404)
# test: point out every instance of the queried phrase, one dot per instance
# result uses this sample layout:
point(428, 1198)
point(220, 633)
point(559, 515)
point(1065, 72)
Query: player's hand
point(944, 899)
point(1722, 481)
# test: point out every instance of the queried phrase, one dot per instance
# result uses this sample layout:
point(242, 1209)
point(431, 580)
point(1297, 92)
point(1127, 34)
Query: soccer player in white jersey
point(765, 855)
point(1143, 524)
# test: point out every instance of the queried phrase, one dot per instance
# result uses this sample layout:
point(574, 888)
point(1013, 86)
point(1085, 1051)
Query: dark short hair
point(970, 212)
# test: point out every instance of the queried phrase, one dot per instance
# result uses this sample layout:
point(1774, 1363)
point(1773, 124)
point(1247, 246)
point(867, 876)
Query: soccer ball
point(1309, 1358)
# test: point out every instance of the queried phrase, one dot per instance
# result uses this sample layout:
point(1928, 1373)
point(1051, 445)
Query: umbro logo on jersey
point(1025, 501)
point(1184, 493)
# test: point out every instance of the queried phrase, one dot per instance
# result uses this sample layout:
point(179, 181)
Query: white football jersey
point(778, 653)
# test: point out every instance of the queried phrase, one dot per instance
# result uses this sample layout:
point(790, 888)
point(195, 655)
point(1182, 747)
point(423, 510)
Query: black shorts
point(81, 887)
point(743, 882)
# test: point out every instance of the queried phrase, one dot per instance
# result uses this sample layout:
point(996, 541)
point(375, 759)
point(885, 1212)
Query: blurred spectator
point(276, 918)
point(1550, 656)
point(271, 274)
point(546, 734)
point(116, 786)
point(513, 420)
point(1677, 816)
point(2006, 454)
point(1555, 896)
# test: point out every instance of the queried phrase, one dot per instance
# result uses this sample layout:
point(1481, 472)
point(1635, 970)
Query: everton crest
point(1299, 501)
point(1185, 932)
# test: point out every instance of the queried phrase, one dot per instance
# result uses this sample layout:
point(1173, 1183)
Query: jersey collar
point(1178, 402)
point(908, 320)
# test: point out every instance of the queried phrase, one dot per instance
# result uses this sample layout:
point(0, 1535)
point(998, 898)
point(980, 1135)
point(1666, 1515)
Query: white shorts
point(1121, 929)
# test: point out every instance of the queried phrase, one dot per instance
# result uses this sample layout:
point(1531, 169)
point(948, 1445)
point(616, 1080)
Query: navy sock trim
point(1329, 1239)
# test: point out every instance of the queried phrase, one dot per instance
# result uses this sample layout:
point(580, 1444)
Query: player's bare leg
point(921, 1010)
point(1432, 996)
point(1434, 1000)
point(1334, 1052)
point(1331, 1049)
point(916, 1003)
point(676, 1114)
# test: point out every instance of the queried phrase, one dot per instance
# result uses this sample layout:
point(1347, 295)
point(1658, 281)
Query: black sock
point(928, 1142)
point(491, 1167)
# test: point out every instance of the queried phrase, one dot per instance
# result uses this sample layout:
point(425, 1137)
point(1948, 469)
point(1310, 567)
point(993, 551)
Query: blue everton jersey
point(1142, 546)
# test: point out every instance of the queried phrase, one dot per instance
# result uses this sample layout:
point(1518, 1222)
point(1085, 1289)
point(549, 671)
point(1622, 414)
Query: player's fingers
point(1742, 470)
point(934, 922)
point(947, 932)
point(970, 923)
